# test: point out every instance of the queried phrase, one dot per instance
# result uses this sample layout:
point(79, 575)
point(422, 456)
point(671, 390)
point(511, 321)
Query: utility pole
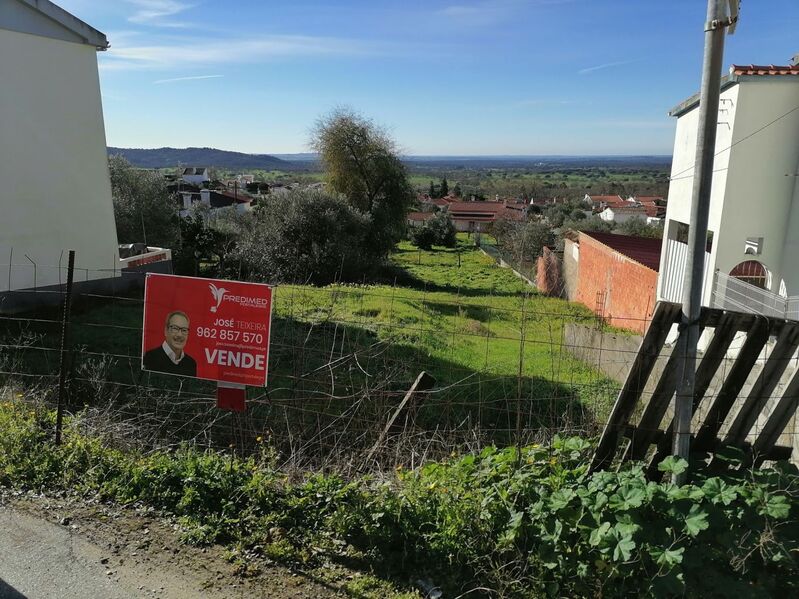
point(718, 21)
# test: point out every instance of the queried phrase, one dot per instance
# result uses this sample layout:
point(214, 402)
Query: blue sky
point(457, 77)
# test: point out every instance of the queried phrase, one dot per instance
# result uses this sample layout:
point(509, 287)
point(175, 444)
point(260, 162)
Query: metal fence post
point(62, 378)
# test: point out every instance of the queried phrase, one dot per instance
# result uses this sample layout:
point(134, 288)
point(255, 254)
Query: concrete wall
point(571, 270)
point(610, 353)
point(624, 289)
point(55, 192)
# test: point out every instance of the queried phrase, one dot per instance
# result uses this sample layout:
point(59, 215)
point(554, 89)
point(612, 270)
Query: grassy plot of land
point(476, 317)
point(494, 346)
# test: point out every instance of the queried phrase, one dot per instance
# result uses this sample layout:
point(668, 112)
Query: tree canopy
point(306, 236)
point(362, 163)
point(144, 210)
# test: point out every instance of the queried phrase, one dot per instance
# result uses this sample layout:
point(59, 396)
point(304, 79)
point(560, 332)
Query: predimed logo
point(221, 294)
point(218, 293)
point(249, 302)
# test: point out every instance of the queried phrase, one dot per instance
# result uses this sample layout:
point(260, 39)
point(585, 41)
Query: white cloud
point(479, 13)
point(193, 78)
point(230, 51)
point(154, 12)
point(606, 65)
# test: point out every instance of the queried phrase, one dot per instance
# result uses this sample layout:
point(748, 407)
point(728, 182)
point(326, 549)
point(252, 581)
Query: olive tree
point(306, 236)
point(144, 210)
point(362, 163)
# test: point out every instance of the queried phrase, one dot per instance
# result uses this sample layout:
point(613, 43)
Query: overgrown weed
point(529, 524)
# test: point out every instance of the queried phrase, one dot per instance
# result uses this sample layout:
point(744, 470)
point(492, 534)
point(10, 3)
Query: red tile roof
point(610, 200)
point(753, 69)
point(629, 208)
point(485, 211)
point(420, 216)
point(655, 211)
point(492, 207)
point(644, 250)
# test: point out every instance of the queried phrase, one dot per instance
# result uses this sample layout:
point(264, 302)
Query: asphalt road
point(44, 560)
point(68, 549)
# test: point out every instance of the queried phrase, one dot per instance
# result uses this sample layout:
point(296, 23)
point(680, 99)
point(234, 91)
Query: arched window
point(751, 272)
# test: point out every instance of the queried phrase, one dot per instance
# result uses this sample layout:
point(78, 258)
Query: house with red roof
point(752, 260)
point(614, 275)
point(471, 216)
point(600, 202)
point(620, 214)
point(477, 216)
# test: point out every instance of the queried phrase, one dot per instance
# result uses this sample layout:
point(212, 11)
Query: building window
point(753, 246)
point(751, 272)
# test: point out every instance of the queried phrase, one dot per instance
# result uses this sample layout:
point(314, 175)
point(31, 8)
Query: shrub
point(439, 230)
point(307, 236)
point(144, 210)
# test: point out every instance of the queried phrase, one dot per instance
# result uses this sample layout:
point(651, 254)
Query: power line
point(743, 139)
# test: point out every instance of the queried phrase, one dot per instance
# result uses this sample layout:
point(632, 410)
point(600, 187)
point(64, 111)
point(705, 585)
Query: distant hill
point(170, 157)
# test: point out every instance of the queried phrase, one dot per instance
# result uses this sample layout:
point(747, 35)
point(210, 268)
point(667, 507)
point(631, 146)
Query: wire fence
point(507, 368)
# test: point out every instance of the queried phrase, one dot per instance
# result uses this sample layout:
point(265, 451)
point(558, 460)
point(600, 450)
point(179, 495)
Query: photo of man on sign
point(169, 357)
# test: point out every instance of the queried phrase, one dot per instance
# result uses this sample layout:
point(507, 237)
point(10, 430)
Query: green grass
point(494, 346)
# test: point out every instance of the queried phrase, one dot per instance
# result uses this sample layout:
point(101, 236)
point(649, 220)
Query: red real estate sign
point(206, 328)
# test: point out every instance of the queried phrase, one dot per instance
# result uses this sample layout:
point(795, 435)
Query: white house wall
point(56, 193)
point(682, 176)
point(759, 194)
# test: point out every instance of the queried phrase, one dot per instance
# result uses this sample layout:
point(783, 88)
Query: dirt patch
point(139, 551)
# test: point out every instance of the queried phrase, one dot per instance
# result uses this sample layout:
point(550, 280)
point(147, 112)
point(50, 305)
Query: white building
point(55, 189)
point(195, 175)
point(752, 262)
point(621, 214)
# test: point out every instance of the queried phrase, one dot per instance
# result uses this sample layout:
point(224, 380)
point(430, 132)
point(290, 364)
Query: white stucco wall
point(682, 175)
point(55, 193)
point(754, 191)
point(759, 193)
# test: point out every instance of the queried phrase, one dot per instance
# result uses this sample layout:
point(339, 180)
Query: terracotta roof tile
point(477, 207)
point(608, 199)
point(644, 250)
point(753, 69)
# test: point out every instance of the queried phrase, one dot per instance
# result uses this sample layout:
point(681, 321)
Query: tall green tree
point(444, 187)
point(362, 163)
point(144, 210)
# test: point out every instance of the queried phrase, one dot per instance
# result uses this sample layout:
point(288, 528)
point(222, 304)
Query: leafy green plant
point(524, 523)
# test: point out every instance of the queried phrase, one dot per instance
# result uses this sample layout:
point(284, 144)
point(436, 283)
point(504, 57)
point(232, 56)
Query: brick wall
point(614, 286)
